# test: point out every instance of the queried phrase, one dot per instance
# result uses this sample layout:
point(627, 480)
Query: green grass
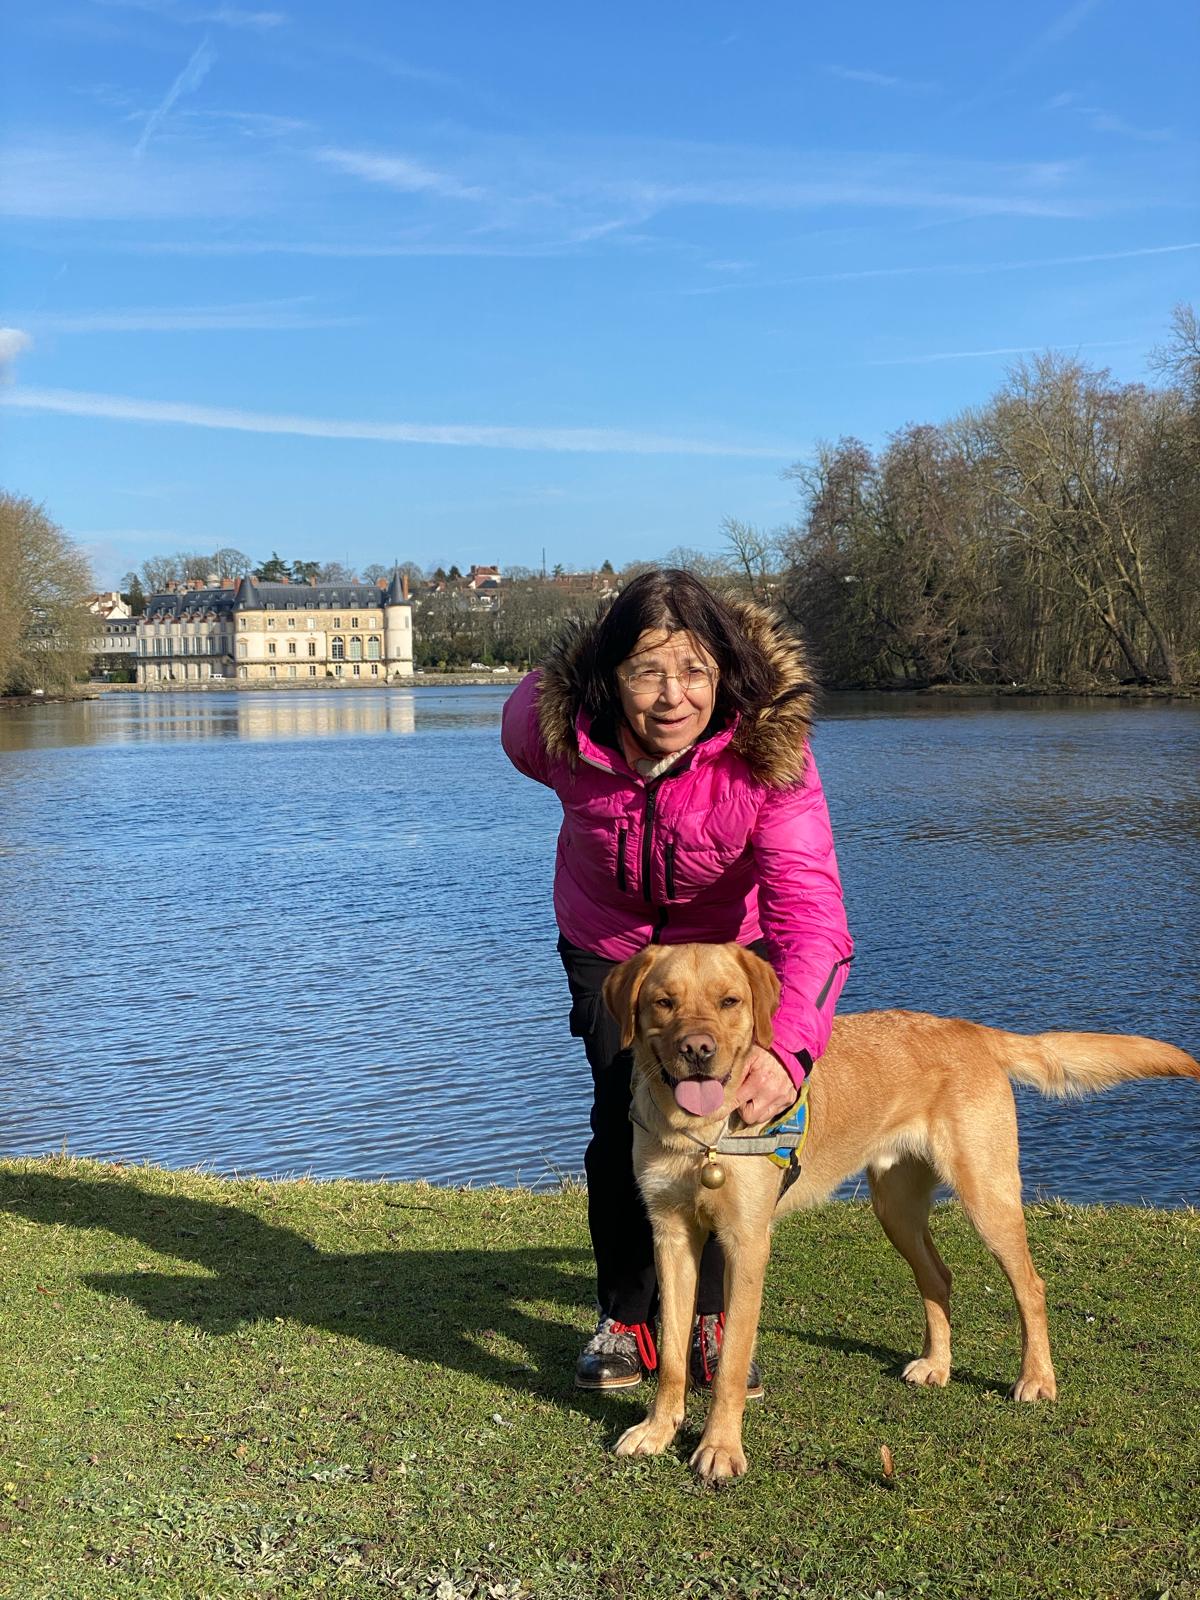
point(228, 1388)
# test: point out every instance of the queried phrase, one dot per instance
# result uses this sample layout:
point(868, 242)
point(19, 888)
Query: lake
point(311, 932)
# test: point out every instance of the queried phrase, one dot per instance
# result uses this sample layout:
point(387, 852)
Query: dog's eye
point(665, 1003)
point(731, 1000)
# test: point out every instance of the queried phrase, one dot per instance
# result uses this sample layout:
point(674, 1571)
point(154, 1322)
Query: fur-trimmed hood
point(770, 740)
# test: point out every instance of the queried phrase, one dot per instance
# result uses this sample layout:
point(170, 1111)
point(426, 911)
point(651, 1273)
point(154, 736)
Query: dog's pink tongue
point(703, 1097)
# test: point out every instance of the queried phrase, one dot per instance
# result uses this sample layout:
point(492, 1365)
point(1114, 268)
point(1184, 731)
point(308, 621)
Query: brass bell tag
point(712, 1173)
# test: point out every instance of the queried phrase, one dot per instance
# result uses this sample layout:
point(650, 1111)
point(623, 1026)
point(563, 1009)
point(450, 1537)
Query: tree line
point(1048, 537)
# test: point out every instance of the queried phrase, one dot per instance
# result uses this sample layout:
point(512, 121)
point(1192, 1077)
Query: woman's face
point(668, 686)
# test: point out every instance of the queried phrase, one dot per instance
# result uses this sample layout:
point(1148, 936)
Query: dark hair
point(677, 601)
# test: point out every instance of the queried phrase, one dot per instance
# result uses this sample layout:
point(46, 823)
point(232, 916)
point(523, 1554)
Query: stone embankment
point(419, 680)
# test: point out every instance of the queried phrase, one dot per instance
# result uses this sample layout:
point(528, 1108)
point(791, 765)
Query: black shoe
point(616, 1356)
point(707, 1334)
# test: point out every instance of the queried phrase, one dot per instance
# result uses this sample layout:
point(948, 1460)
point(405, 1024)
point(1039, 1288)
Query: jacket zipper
point(660, 920)
point(669, 863)
point(647, 842)
point(622, 841)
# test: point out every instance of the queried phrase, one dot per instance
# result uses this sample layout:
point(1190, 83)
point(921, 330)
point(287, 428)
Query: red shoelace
point(644, 1335)
point(718, 1336)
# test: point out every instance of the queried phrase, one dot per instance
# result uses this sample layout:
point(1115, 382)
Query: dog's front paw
point(922, 1371)
point(1035, 1386)
point(718, 1463)
point(649, 1437)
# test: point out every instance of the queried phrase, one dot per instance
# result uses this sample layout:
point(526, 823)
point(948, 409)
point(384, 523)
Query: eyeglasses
point(648, 681)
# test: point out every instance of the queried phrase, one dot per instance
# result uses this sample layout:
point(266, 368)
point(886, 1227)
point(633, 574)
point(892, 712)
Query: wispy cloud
point(101, 179)
point(934, 268)
point(199, 65)
point(13, 343)
point(999, 350)
point(260, 316)
point(253, 124)
point(189, 15)
point(422, 244)
point(592, 441)
point(1102, 121)
point(1065, 24)
point(397, 172)
point(879, 80)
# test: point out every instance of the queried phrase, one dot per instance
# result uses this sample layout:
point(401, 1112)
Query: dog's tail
point(1068, 1065)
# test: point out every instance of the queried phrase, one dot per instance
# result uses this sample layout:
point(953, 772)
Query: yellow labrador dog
point(914, 1099)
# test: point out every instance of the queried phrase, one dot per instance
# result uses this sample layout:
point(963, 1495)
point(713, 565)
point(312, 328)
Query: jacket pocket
point(622, 841)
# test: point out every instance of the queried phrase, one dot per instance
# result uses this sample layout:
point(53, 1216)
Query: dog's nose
point(697, 1048)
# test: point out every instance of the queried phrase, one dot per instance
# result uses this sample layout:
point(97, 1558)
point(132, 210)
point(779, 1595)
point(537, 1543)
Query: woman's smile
point(667, 686)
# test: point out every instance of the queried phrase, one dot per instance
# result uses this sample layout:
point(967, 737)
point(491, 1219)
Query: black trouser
point(622, 1241)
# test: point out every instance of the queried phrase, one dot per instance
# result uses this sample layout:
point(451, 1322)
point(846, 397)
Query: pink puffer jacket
point(733, 845)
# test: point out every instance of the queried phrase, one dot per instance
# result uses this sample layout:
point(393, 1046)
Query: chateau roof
point(255, 596)
point(176, 603)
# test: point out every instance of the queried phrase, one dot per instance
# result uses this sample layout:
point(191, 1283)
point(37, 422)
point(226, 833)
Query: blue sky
point(463, 282)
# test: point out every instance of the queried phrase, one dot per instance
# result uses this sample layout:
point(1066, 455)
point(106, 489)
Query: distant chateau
point(254, 632)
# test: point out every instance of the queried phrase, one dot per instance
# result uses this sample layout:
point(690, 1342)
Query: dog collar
point(781, 1143)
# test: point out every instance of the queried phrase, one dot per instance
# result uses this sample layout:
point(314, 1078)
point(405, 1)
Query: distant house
point(114, 644)
point(278, 632)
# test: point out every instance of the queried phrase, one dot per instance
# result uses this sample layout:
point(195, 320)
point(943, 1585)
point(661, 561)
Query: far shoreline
point(509, 678)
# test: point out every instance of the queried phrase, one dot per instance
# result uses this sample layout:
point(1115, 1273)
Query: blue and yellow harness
point(781, 1142)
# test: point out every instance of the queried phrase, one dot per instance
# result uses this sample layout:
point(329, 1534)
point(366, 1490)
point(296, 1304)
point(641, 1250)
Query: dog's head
point(692, 1013)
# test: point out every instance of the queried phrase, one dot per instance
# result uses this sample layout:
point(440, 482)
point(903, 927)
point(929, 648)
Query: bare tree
point(229, 563)
point(754, 556)
point(335, 572)
point(1067, 444)
point(46, 630)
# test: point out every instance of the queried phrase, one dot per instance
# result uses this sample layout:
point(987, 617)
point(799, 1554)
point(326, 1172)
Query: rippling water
point(312, 932)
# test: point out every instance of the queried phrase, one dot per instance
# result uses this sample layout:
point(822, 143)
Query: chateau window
point(212, 645)
point(373, 647)
point(271, 648)
point(374, 672)
point(337, 671)
point(242, 650)
point(291, 672)
point(312, 647)
point(291, 621)
point(312, 672)
point(273, 671)
point(243, 623)
point(337, 651)
point(241, 672)
point(337, 622)
point(354, 622)
point(310, 622)
point(291, 647)
point(270, 622)
point(357, 671)
point(356, 648)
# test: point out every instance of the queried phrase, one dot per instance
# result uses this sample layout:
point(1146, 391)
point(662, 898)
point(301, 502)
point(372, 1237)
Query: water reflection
point(122, 718)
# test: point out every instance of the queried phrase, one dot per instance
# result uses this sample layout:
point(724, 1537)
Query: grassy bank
point(217, 1388)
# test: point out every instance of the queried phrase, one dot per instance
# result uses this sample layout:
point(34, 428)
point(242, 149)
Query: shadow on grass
point(891, 1360)
point(445, 1307)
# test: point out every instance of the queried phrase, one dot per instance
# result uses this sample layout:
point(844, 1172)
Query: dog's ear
point(764, 991)
point(621, 990)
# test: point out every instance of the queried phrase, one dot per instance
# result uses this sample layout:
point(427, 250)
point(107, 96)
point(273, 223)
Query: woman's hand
point(767, 1088)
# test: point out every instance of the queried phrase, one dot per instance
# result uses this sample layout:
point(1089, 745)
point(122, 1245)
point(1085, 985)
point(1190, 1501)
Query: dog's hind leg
point(989, 1186)
point(678, 1242)
point(900, 1195)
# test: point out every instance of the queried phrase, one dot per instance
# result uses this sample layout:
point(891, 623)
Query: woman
point(674, 730)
